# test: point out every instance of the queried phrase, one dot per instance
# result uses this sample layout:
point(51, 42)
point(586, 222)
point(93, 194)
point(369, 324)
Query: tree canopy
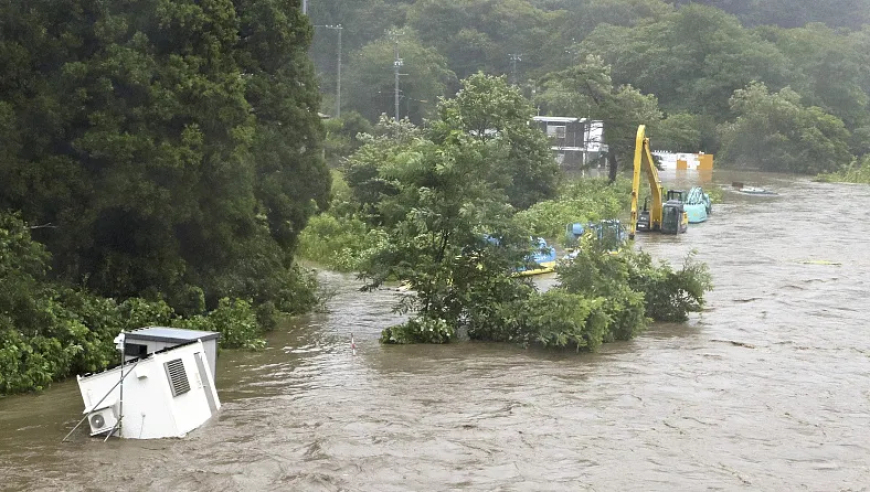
point(690, 56)
point(171, 148)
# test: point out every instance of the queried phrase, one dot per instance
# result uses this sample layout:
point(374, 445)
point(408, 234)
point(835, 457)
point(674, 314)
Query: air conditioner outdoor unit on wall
point(103, 419)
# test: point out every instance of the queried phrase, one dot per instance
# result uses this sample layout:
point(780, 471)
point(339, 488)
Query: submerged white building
point(166, 390)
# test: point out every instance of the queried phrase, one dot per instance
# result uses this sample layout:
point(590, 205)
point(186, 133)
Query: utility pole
point(514, 59)
point(305, 7)
point(337, 27)
point(397, 64)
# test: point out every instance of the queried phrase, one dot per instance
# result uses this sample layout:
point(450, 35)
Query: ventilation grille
point(177, 377)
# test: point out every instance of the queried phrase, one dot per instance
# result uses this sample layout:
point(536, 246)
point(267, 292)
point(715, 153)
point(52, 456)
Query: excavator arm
point(643, 159)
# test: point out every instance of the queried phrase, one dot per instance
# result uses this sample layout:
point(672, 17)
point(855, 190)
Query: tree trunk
point(612, 165)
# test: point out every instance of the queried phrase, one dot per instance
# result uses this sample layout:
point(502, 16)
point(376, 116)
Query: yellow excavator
point(669, 217)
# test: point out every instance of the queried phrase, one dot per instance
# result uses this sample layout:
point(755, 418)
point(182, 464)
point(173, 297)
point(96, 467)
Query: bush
point(666, 295)
point(558, 318)
point(857, 172)
point(584, 200)
point(419, 330)
point(49, 332)
point(670, 295)
point(234, 319)
point(339, 243)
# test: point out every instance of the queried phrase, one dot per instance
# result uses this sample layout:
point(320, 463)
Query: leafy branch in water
point(857, 172)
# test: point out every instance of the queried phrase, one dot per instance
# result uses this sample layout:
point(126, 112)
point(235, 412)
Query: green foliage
point(856, 172)
point(440, 192)
point(174, 147)
point(498, 114)
point(419, 330)
point(50, 331)
point(670, 295)
point(582, 200)
point(775, 132)
point(692, 59)
point(558, 318)
point(479, 35)
point(370, 82)
point(342, 136)
point(339, 242)
point(630, 279)
point(797, 13)
point(236, 321)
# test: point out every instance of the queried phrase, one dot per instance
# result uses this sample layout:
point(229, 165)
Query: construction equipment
point(610, 234)
point(669, 217)
point(698, 205)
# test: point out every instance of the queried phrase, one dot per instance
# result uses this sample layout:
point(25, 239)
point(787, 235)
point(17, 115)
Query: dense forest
point(780, 85)
point(158, 159)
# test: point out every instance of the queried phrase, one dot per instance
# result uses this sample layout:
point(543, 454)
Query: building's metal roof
point(170, 335)
point(556, 119)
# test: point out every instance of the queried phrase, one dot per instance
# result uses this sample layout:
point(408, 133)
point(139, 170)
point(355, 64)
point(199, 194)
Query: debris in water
point(736, 344)
point(821, 262)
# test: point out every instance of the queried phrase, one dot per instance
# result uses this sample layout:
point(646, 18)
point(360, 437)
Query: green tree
point(438, 245)
point(479, 35)
point(490, 110)
point(342, 136)
point(830, 72)
point(795, 13)
point(168, 143)
point(775, 132)
point(371, 83)
point(587, 90)
point(692, 59)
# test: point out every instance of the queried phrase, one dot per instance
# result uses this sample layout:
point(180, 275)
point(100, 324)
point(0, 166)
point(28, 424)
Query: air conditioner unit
point(103, 419)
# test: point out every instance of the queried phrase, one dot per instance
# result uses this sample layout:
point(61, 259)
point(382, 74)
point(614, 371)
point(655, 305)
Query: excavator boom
point(643, 160)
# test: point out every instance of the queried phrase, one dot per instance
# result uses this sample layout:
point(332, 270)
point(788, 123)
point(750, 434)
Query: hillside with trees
point(684, 68)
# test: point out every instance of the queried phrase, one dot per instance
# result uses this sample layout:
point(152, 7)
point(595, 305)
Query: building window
point(556, 131)
point(135, 350)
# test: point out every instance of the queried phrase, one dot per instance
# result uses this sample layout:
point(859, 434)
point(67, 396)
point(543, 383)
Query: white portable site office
point(166, 392)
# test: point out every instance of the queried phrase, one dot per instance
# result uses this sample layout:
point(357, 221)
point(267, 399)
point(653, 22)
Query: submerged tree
point(775, 132)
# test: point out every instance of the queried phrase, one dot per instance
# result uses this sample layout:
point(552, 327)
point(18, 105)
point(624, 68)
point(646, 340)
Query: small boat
point(751, 190)
point(543, 260)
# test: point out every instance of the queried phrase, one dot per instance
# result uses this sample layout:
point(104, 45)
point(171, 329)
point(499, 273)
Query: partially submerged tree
point(775, 132)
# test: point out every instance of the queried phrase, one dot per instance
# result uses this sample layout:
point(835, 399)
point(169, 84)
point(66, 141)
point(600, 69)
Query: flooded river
point(768, 390)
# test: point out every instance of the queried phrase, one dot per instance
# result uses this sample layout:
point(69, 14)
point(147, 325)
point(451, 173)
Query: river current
point(768, 389)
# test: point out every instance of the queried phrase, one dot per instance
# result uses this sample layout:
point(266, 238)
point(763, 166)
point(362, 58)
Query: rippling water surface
point(767, 390)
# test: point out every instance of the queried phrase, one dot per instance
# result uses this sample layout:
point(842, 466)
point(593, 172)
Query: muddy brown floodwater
point(767, 390)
